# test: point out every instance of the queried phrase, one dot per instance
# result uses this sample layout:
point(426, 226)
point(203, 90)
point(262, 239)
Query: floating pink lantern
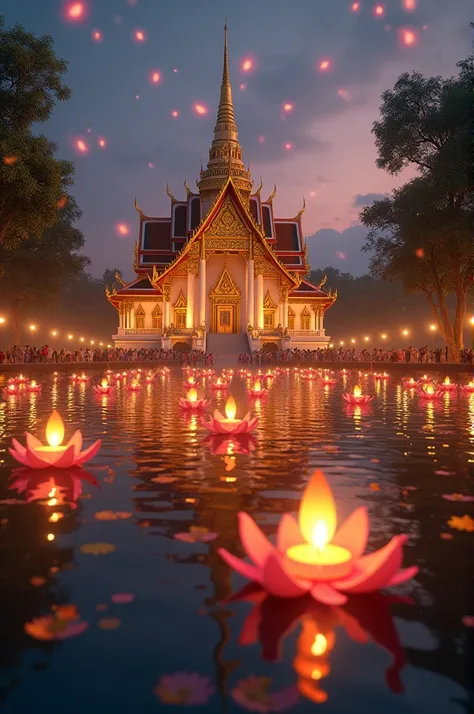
point(311, 556)
point(410, 383)
point(309, 374)
point(425, 379)
point(191, 382)
point(38, 456)
point(270, 375)
point(468, 388)
point(219, 384)
point(381, 376)
point(229, 424)
point(192, 403)
point(257, 391)
point(33, 387)
point(134, 386)
point(11, 390)
point(104, 388)
point(79, 378)
point(447, 385)
point(428, 391)
point(357, 397)
point(21, 380)
point(328, 381)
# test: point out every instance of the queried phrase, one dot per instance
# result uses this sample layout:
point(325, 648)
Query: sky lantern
point(139, 36)
point(97, 36)
point(379, 10)
point(81, 146)
point(247, 64)
point(355, 6)
point(288, 107)
point(324, 65)
point(409, 5)
point(288, 146)
point(155, 76)
point(200, 109)
point(102, 142)
point(75, 11)
point(175, 113)
point(408, 36)
point(122, 229)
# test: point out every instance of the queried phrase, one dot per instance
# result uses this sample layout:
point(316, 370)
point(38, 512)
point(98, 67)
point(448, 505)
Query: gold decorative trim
point(225, 286)
point(181, 301)
point(168, 191)
point(272, 195)
point(301, 211)
point(188, 190)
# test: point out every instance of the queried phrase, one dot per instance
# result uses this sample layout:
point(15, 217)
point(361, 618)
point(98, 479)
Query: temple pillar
point(132, 316)
point(259, 301)
point(120, 316)
point(321, 320)
point(166, 313)
point(190, 301)
point(316, 318)
point(202, 291)
point(250, 294)
point(285, 315)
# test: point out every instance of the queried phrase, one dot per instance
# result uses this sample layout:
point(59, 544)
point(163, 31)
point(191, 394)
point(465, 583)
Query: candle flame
point(104, 383)
point(429, 389)
point(191, 380)
point(134, 383)
point(319, 646)
point(230, 408)
point(320, 536)
point(33, 383)
point(257, 386)
point(218, 380)
point(192, 395)
point(447, 380)
point(55, 429)
point(357, 391)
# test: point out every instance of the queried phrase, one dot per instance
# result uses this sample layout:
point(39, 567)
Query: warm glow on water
point(160, 474)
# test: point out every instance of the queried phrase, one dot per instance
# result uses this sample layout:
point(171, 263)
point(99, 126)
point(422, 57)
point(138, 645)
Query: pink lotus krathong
point(311, 556)
point(228, 424)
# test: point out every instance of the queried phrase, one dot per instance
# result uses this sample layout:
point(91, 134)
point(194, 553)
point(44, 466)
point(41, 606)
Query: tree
point(36, 270)
point(30, 78)
point(32, 181)
point(112, 278)
point(422, 234)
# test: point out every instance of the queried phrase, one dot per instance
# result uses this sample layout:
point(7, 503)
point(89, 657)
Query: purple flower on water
point(252, 693)
point(196, 535)
point(185, 688)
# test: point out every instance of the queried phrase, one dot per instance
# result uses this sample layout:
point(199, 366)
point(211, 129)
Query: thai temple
point(221, 273)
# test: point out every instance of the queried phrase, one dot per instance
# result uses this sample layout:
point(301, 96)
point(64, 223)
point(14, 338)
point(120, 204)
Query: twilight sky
point(135, 64)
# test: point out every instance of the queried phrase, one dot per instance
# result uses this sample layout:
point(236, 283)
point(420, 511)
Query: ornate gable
point(181, 301)
point(268, 303)
point(228, 223)
point(139, 311)
point(225, 285)
point(156, 311)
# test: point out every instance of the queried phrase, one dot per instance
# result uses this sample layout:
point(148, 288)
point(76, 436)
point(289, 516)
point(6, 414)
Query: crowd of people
point(45, 354)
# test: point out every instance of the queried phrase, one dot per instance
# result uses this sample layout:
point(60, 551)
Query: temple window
point(269, 308)
point(157, 318)
point(305, 319)
point(180, 308)
point(139, 318)
point(291, 319)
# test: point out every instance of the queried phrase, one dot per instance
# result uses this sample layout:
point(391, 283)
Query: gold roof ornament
point(168, 191)
point(138, 209)
point(188, 190)
point(257, 192)
point(272, 195)
point(323, 281)
point(135, 257)
point(119, 279)
point(301, 211)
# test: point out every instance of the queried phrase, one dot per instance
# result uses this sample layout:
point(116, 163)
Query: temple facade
point(221, 263)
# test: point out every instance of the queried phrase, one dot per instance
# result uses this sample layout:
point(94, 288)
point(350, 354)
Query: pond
point(142, 621)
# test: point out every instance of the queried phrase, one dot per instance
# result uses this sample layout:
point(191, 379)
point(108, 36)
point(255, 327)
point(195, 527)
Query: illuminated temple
point(221, 272)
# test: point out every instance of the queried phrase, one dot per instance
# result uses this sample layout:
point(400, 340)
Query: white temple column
point(190, 301)
point(166, 313)
point(202, 291)
point(120, 316)
point(259, 301)
point(316, 319)
point(321, 321)
point(250, 294)
point(285, 314)
point(132, 316)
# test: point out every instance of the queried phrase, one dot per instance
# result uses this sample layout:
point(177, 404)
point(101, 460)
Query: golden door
point(225, 318)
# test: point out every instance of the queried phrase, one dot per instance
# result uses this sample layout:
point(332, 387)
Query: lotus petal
point(255, 543)
point(323, 592)
point(376, 570)
point(32, 442)
point(66, 459)
point(288, 533)
point(404, 574)
point(19, 452)
point(280, 583)
point(240, 566)
point(353, 628)
point(76, 441)
point(249, 632)
point(88, 453)
point(36, 462)
point(217, 415)
point(354, 532)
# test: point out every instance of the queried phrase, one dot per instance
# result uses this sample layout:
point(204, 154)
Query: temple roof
point(136, 288)
point(307, 290)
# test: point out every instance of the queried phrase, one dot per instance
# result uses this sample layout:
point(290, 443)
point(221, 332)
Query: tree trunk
point(447, 329)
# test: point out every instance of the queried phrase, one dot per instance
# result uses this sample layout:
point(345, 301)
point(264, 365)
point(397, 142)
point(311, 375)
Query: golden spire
point(225, 154)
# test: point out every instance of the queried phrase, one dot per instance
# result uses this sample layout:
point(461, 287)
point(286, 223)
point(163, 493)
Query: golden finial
point(170, 194)
point(323, 281)
point(138, 209)
point(188, 190)
point(334, 297)
point(301, 211)
point(272, 195)
point(257, 192)
point(135, 257)
point(107, 292)
point(118, 278)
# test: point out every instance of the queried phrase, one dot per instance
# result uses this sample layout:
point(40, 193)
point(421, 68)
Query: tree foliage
point(32, 180)
point(36, 270)
point(110, 279)
point(422, 234)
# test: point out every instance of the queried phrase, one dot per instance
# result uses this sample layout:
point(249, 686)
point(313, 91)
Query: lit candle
point(319, 559)
point(257, 386)
point(231, 411)
point(357, 391)
point(218, 380)
point(54, 435)
point(104, 384)
point(428, 389)
point(192, 395)
point(447, 381)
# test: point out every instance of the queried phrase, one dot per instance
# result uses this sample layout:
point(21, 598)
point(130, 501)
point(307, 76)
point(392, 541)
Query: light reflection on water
point(398, 456)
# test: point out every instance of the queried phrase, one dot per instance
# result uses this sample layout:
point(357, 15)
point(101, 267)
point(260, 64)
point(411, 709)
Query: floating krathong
point(191, 382)
point(312, 557)
point(134, 386)
point(12, 390)
point(327, 381)
point(428, 391)
point(38, 456)
point(357, 397)
point(447, 385)
point(192, 403)
point(425, 379)
point(229, 424)
point(104, 388)
point(410, 383)
point(33, 387)
point(381, 375)
point(257, 391)
point(81, 378)
point(20, 379)
point(469, 387)
point(220, 384)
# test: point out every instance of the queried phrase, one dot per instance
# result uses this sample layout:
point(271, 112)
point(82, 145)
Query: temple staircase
point(227, 346)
